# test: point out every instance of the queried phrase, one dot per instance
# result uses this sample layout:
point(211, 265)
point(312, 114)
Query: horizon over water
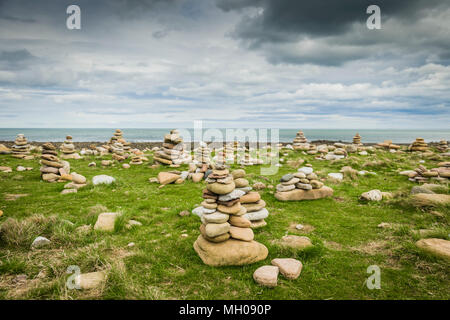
point(285, 135)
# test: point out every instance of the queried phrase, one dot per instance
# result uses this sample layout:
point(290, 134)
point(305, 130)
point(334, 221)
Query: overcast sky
point(238, 63)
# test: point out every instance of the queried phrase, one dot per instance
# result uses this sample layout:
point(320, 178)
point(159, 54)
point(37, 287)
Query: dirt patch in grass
point(14, 197)
point(333, 245)
point(307, 228)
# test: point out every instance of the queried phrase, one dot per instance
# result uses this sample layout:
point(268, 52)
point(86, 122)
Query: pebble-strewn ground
point(162, 264)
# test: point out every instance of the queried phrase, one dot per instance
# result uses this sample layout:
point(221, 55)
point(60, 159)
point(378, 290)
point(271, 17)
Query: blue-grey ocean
point(285, 135)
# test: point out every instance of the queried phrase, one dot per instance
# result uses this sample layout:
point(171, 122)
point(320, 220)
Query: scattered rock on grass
point(102, 179)
point(40, 242)
point(266, 276)
point(67, 191)
point(296, 242)
point(438, 247)
point(90, 280)
point(372, 195)
point(106, 221)
point(289, 268)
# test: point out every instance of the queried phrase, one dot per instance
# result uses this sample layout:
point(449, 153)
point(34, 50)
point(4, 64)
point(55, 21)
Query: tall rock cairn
point(52, 168)
point(172, 151)
point(21, 148)
point(251, 200)
point(226, 237)
point(202, 156)
point(357, 139)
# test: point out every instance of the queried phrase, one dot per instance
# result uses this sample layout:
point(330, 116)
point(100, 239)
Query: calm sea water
point(285, 135)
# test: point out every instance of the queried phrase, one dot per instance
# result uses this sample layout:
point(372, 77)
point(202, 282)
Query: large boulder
point(439, 247)
point(298, 194)
point(230, 253)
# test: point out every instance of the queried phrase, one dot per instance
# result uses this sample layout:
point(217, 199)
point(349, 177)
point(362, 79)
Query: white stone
point(372, 195)
point(102, 179)
point(236, 193)
point(40, 242)
point(306, 170)
point(336, 175)
point(257, 215)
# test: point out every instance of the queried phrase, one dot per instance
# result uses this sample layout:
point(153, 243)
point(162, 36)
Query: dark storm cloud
point(274, 26)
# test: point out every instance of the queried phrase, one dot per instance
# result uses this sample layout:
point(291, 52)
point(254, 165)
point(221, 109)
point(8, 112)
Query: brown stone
point(299, 194)
point(230, 253)
point(239, 221)
point(167, 177)
point(244, 234)
point(251, 197)
point(289, 268)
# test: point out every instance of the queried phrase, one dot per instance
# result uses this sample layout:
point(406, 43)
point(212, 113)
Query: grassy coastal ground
point(163, 264)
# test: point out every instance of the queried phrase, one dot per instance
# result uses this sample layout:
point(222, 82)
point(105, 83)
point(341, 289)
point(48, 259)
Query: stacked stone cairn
point(136, 160)
point(251, 200)
point(202, 156)
point(301, 185)
point(357, 139)
point(68, 149)
point(418, 145)
point(226, 236)
point(53, 169)
point(21, 148)
point(300, 142)
point(172, 151)
point(442, 146)
point(423, 175)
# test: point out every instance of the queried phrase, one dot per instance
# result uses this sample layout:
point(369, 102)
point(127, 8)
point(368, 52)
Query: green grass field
point(164, 265)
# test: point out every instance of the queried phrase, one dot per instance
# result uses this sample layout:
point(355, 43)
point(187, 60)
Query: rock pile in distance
point(172, 151)
point(300, 142)
point(301, 185)
point(442, 146)
point(21, 148)
point(226, 237)
point(422, 174)
point(202, 156)
point(418, 145)
point(388, 145)
point(68, 149)
point(53, 169)
point(357, 139)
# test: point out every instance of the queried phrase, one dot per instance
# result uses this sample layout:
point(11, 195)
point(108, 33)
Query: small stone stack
point(443, 146)
point(136, 160)
point(388, 145)
point(418, 145)
point(301, 185)
point(357, 139)
point(126, 146)
point(21, 148)
point(68, 149)
point(226, 237)
point(53, 169)
point(422, 174)
point(300, 142)
point(251, 200)
point(202, 155)
point(172, 151)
